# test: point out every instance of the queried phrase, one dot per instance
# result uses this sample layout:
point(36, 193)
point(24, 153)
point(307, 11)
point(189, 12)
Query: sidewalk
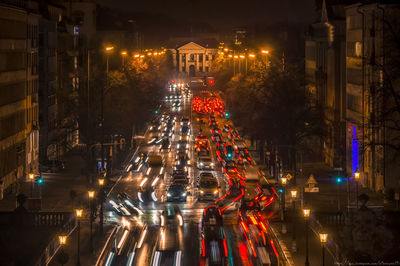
point(59, 192)
point(86, 256)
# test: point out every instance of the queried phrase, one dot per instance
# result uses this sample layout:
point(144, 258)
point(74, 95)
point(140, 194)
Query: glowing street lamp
point(78, 214)
point(252, 55)
point(31, 177)
point(323, 237)
point(62, 240)
point(123, 54)
point(265, 51)
point(293, 193)
point(101, 194)
point(357, 178)
point(284, 181)
point(101, 182)
point(91, 196)
point(226, 49)
point(306, 214)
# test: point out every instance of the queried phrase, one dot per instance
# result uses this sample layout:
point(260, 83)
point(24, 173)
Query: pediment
point(191, 46)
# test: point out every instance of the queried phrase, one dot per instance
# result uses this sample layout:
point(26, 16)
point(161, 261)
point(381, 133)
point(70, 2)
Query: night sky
point(223, 13)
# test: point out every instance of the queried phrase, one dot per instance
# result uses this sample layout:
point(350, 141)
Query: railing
point(285, 257)
point(331, 246)
point(52, 219)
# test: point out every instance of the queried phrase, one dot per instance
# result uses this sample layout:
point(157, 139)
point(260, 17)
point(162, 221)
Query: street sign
point(311, 181)
point(312, 189)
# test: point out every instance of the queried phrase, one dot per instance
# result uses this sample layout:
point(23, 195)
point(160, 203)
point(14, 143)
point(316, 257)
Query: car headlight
point(168, 194)
point(187, 146)
point(212, 164)
point(201, 164)
point(215, 191)
point(178, 146)
point(201, 192)
point(184, 194)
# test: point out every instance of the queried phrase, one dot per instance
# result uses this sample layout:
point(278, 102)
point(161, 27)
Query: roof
point(176, 43)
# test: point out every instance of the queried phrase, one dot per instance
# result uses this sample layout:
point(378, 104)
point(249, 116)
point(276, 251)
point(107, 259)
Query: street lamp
point(101, 184)
point(31, 178)
point(323, 237)
point(265, 53)
point(123, 54)
point(78, 214)
point(293, 193)
point(306, 214)
point(284, 182)
point(91, 197)
point(357, 177)
point(62, 240)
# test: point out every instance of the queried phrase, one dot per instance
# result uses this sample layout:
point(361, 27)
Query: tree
point(271, 106)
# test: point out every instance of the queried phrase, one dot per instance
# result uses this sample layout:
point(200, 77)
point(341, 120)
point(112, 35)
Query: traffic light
point(156, 112)
point(338, 180)
point(39, 180)
point(226, 114)
point(280, 190)
point(229, 152)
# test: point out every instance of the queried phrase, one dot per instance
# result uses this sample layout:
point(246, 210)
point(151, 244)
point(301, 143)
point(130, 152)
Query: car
point(182, 145)
point(180, 169)
point(171, 216)
point(155, 161)
point(165, 145)
point(176, 192)
point(185, 130)
point(185, 122)
point(205, 162)
point(226, 128)
point(216, 137)
point(182, 159)
point(154, 140)
point(180, 178)
point(139, 161)
point(200, 139)
point(166, 133)
point(208, 187)
point(228, 165)
point(213, 239)
point(184, 137)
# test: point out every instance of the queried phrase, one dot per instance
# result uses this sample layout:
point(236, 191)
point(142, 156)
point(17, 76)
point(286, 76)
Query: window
point(354, 103)
point(354, 76)
point(200, 57)
point(354, 22)
point(191, 57)
point(183, 57)
point(201, 68)
point(206, 57)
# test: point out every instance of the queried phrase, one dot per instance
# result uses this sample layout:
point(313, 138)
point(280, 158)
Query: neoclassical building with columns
point(193, 59)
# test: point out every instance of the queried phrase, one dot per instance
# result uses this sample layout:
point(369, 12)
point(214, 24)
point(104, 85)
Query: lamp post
point(240, 57)
point(323, 237)
point(62, 257)
point(31, 178)
point(234, 64)
point(109, 49)
point(357, 178)
point(306, 214)
point(101, 184)
point(78, 214)
point(293, 193)
point(124, 53)
point(284, 182)
point(91, 196)
point(252, 56)
point(265, 53)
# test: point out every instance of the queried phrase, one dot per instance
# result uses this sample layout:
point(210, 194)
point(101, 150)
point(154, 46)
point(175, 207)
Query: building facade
point(325, 68)
point(18, 94)
point(367, 143)
point(48, 82)
point(192, 59)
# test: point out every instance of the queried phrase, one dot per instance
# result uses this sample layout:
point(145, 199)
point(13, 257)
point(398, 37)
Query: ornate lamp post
point(91, 197)
point(323, 237)
point(306, 214)
point(101, 197)
point(31, 177)
point(62, 257)
point(78, 214)
point(357, 178)
point(284, 182)
point(293, 193)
